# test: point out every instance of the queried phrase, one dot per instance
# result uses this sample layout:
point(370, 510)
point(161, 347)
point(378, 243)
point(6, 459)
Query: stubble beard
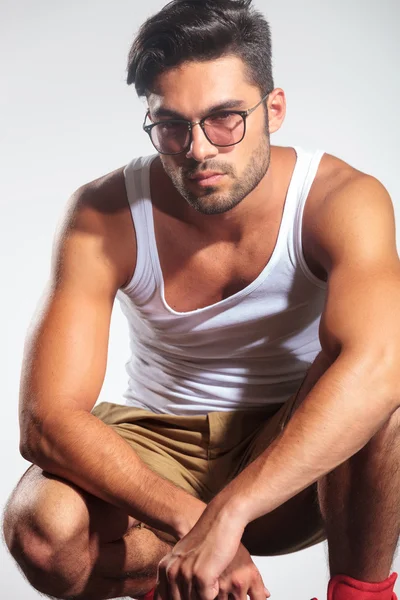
point(212, 203)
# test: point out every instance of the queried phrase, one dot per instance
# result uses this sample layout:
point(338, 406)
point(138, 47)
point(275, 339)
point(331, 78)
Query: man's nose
point(200, 148)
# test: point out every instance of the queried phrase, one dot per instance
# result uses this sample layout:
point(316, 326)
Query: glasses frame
point(190, 124)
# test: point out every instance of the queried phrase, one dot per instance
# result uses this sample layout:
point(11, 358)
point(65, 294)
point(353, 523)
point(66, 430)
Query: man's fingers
point(241, 594)
point(203, 589)
point(162, 592)
point(222, 595)
point(174, 590)
point(158, 594)
point(162, 589)
point(173, 581)
point(239, 585)
point(185, 585)
point(258, 591)
point(225, 589)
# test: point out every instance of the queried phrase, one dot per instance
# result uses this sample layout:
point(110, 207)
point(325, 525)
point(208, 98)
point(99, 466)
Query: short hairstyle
point(201, 30)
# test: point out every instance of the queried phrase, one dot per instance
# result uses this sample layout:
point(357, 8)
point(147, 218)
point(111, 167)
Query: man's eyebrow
point(173, 114)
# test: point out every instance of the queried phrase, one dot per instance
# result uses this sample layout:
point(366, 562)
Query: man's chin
point(210, 205)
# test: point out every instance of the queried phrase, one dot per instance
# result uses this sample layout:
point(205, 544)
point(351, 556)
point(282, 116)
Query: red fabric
point(148, 596)
point(343, 587)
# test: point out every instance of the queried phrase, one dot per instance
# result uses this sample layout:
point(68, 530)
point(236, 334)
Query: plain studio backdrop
point(67, 117)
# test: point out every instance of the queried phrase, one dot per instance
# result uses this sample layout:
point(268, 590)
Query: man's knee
point(47, 541)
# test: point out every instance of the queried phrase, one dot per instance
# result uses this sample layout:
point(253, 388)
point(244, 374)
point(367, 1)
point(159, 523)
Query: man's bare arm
point(360, 335)
point(64, 367)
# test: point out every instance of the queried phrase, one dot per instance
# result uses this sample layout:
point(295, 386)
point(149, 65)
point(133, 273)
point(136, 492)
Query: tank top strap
point(309, 164)
point(136, 175)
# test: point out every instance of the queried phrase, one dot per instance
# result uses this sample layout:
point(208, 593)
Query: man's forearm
point(342, 412)
point(77, 446)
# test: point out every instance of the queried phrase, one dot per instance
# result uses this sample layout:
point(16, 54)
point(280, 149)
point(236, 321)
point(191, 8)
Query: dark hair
point(201, 30)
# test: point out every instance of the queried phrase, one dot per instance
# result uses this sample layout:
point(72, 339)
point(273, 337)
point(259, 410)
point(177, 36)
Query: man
point(252, 425)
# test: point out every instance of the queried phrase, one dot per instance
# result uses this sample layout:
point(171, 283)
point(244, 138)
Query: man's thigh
point(174, 447)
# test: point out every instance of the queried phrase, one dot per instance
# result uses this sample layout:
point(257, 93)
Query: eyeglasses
point(222, 129)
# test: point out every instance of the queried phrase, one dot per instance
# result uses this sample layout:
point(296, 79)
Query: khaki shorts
point(201, 453)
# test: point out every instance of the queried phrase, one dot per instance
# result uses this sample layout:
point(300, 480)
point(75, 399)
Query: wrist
point(187, 519)
point(230, 509)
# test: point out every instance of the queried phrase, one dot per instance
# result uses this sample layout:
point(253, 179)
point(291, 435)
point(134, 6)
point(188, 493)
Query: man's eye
point(219, 117)
point(167, 125)
point(171, 126)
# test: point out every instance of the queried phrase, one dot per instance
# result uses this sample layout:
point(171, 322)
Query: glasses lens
point(224, 129)
point(170, 137)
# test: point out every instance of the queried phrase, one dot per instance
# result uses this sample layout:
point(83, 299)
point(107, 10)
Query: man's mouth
point(206, 177)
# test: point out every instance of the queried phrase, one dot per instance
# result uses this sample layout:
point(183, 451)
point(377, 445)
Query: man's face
point(190, 92)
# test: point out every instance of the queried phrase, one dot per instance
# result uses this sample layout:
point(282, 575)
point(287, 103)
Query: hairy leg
point(70, 544)
point(360, 502)
point(293, 526)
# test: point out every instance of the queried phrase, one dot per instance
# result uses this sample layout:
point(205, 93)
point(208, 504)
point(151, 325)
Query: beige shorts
point(201, 453)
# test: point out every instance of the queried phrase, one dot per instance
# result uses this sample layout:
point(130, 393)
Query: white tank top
point(243, 352)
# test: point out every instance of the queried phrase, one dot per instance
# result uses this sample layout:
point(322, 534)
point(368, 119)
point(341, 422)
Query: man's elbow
point(37, 443)
point(376, 366)
point(31, 447)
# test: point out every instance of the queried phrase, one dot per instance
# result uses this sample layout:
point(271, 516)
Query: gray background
point(67, 117)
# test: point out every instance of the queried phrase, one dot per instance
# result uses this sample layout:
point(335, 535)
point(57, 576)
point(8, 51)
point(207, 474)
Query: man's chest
point(199, 273)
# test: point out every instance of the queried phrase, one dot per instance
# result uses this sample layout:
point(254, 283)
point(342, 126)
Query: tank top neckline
point(291, 196)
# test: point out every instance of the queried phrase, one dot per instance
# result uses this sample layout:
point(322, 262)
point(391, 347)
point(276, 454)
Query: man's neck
point(245, 218)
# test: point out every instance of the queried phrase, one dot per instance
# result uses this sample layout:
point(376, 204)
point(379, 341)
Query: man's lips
point(206, 176)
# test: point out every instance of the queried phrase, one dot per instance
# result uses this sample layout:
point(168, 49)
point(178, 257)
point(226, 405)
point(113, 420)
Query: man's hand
point(210, 561)
point(242, 578)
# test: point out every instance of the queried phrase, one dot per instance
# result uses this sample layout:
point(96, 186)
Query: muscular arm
point(64, 367)
point(360, 334)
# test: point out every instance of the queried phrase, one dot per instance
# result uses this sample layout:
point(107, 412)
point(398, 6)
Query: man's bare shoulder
point(100, 208)
point(333, 173)
point(340, 187)
point(105, 195)
point(345, 199)
point(338, 193)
